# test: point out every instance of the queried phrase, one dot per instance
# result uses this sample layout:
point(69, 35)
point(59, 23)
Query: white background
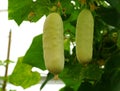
point(21, 39)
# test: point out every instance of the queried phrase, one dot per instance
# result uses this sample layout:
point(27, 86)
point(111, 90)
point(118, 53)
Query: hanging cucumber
point(53, 43)
point(84, 36)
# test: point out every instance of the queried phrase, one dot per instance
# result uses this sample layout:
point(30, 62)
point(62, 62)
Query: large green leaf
point(71, 75)
point(34, 55)
point(21, 10)
point(23, 76)
point(74, 74)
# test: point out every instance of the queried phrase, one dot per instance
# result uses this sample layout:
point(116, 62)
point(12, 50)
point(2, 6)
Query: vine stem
point(7, 63)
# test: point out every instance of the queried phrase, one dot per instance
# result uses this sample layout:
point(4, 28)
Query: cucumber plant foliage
point(102, 72)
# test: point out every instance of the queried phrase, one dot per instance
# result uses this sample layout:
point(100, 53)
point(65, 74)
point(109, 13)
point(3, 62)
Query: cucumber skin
point(53, 43)
point(84, 36)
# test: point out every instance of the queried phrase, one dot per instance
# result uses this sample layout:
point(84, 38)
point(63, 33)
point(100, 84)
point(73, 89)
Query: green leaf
point(74, 74)
point(69, 29)
point(34, 55)
point(1, 63)
point(21, 10)
point(67, 48)
point(71, 75)
point(92, 72)
point(48, 78)
point(40, 8)
point(74, 16)
point(67, 44)
point(23, 76)
point(67, 6)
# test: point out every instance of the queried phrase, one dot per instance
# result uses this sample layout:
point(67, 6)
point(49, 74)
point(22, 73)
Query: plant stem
point(7, 63)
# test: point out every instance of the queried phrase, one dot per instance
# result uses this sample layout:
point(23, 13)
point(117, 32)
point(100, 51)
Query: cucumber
point(84, 36)
point(53, 43)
